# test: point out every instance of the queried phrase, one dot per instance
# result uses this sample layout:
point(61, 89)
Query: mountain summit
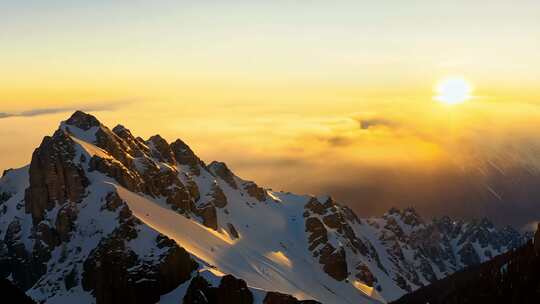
point(102, 216)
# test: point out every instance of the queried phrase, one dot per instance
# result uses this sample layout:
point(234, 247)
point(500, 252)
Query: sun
point(453, 90)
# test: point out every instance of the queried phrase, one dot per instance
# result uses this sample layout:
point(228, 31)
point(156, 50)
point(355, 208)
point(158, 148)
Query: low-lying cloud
point(367, 123)
point(97, 106)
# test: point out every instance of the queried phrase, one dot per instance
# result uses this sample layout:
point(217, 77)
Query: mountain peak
point(185, 156)
point(83, 121)
point(220, 169)
point(160, 149)
point(134, 202)
point(120, 128)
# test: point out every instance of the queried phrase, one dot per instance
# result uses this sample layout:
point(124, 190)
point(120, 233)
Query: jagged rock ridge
point(512, 277)
point(101, 215)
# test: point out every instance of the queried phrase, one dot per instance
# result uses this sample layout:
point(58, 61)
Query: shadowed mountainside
point(510, 278)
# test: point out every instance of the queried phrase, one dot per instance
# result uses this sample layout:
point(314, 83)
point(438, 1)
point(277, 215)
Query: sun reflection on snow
point(280, 258)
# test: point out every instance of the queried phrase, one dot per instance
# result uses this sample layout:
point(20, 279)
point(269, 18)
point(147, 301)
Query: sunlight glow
point(280, 258)
point(453, 90)
point(368, 290)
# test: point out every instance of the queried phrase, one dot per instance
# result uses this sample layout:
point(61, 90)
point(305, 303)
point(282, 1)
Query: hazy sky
point(311, 96)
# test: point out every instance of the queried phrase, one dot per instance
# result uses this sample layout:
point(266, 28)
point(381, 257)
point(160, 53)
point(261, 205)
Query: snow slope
point(271, 256)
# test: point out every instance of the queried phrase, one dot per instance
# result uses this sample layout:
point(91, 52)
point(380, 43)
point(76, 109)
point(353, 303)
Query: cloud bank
point(95, 107)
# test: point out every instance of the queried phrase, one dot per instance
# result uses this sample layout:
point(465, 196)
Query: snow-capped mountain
point(102, 216)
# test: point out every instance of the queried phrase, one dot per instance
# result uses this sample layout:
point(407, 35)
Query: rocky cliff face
point(54, 177)
point(103, 216)
point(399, 246)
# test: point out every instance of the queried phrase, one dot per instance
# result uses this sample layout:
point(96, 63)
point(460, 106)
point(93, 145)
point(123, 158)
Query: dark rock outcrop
point(255, 191)
point(536, 240)
point(26, 267)
point(279, 298)
point(117, 171)
point(335, 219)
point(365, 275)
point(161, 149)
point(115, 274)
point(221, 170)
point(233, 290)
point(232, 231)
point(334, 262)
point(83, 121)
point(230, 290)
point(65, 221)
point(4, 197)
point(218, 197)
point(137, 146)
point(185, 156)
point(54, 177)
point(12, 294)
point(318, 234)
point(55, 180)
point(209, 216)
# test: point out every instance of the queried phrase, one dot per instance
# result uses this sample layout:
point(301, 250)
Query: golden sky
point(290, 93)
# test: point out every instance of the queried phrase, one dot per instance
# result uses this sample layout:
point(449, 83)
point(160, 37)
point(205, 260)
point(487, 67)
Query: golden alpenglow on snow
point(269, 152)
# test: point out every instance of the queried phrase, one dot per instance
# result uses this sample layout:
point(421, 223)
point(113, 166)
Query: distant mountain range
point(102, 216)
point(510, 278)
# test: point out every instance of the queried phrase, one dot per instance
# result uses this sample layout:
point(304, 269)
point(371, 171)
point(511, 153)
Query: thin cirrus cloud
point(102, 106)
